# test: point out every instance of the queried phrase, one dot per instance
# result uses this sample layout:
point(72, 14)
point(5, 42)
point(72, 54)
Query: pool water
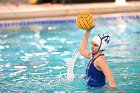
point(34, 58)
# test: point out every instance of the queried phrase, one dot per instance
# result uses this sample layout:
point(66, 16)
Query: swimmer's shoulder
point(101, 58)
point(101, 62)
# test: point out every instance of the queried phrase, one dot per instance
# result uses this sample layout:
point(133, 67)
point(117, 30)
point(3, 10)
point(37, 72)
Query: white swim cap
point(102, 40)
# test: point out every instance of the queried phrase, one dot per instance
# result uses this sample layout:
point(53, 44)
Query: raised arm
point(83, 48)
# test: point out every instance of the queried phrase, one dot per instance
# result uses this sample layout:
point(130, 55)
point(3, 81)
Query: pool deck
point(47, 10)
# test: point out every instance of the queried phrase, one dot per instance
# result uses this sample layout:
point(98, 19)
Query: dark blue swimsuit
point(94, 77)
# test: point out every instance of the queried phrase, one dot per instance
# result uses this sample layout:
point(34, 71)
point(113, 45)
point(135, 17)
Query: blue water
point(34, 58)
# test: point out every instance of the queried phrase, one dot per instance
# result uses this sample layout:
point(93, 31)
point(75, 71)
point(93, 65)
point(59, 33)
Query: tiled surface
point(8, 23)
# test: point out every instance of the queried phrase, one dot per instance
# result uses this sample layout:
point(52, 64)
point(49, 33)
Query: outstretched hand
point(90, 28)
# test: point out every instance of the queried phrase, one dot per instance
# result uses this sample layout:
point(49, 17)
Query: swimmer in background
point(97, 70)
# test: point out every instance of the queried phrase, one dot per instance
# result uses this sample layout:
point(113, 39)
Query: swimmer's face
point(94, 47)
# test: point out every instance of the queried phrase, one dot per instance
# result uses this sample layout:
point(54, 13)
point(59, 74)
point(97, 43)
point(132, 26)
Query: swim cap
point(102, 40)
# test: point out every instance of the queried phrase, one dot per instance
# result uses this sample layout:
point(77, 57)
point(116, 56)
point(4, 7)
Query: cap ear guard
point(104, 41)
point(107, 39)
point(104, 37)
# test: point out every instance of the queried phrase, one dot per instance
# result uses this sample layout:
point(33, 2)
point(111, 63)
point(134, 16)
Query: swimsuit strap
point(97, 56)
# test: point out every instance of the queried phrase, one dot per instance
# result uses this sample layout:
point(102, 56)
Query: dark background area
point(79, 1)
point(60, 1)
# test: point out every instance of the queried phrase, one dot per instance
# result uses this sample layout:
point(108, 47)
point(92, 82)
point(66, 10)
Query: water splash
point(70, 65)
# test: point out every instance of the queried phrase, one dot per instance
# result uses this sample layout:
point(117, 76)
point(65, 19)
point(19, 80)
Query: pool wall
point(58, 21)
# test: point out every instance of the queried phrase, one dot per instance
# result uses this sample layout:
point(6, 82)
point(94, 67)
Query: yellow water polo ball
point(85, 21)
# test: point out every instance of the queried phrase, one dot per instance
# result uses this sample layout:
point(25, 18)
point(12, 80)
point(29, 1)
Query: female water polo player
point(97, 71)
